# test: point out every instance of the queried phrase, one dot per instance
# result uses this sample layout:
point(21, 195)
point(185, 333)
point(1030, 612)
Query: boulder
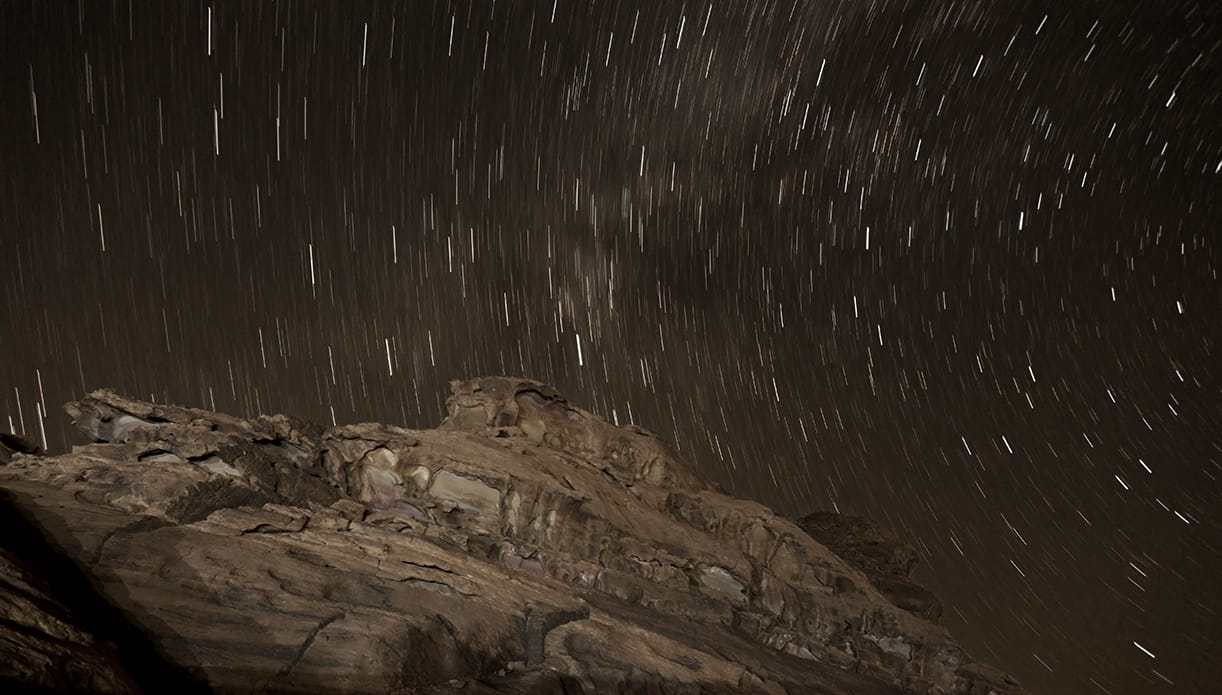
point(13, 444)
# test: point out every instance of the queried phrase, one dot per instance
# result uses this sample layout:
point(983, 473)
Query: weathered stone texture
point(525, 545)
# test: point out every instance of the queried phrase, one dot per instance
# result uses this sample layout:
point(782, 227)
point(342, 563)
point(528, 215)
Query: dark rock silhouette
point(524, 545)
point(879, 553)
point(13, 444)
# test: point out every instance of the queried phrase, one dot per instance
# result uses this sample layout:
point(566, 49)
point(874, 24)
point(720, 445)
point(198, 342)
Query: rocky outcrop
point(885, 559)
point(524, 545)
point(13, 444)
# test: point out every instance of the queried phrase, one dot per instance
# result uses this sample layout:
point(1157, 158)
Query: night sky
point(952, 266)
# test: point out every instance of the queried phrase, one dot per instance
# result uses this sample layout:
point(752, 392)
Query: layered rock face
point(524, 545)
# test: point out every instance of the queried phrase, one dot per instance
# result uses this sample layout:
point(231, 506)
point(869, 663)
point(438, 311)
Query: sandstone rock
point(525, 545)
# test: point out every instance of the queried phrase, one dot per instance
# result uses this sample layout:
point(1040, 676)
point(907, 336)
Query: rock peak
point(501, 406)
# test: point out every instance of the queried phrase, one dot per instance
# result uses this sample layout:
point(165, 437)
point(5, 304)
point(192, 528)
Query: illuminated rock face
point(524, 544)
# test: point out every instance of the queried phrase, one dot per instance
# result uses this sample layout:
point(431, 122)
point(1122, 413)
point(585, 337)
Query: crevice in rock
point(301, 651)
point(199, 458)
point(153, 453)
point(267, 528)
point(429, 566)
point(439, 587)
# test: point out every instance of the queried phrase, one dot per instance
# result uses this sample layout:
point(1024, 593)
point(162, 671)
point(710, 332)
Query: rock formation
point(13, 444)
point(524, 545)
point(880, 554)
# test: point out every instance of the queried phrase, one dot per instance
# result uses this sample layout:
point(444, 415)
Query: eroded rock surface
point(524, 545)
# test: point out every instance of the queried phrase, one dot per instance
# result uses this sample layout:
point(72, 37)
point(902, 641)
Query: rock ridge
point(524, 545)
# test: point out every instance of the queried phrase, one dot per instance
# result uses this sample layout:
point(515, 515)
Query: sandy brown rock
point(524, 545)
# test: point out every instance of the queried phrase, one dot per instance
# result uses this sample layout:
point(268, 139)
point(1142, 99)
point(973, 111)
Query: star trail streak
point(952, 266)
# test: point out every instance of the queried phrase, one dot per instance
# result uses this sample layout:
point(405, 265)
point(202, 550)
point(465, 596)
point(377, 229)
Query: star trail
point(952, 266)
